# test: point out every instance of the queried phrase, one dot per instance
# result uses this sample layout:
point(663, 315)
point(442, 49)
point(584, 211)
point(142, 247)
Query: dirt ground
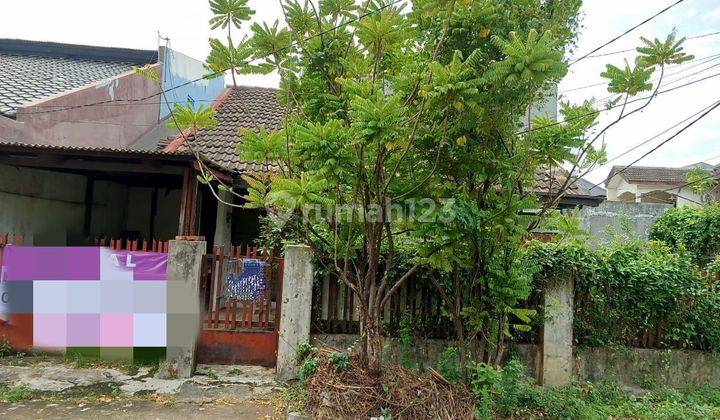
point(139, 409)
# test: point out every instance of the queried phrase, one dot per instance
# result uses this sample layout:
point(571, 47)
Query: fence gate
point(240, 291)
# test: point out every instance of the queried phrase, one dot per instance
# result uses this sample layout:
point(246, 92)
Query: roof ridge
point(232, 87)
point(89, 52)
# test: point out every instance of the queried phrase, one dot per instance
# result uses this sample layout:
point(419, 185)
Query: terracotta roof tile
point(248, 108)
point(244, 108)
point(650, 174)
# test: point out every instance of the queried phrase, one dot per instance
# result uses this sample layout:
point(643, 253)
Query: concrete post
point(557, 352)
point(183, 307)
point(296, 308)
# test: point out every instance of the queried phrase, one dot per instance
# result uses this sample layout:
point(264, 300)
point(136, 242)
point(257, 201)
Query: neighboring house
point(650, 184)
point(79, 132)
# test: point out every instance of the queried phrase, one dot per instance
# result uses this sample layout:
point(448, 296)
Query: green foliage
point(693, 230)
point(212, 375)
point(661, 53)
point(304, 351)
point(500, 390)
point(15, 393)
point(237, 58)
point(634, 294)
point(189, 119)
point(448, 364)
point(146, 72)
point(507, 393)
point(339, 361)
point(628, 81)
point(701, 181)
point(308, 367)
point(533, 60)
point(5, 347)
point(229, 12)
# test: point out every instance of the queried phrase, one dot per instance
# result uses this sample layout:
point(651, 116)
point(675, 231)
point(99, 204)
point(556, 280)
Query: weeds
point(507, 393)
point(15, 393)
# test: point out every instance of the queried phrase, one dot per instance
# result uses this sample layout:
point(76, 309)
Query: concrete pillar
point(183, 306)
point(295, 310)
point(223, 221)
point(557, 352)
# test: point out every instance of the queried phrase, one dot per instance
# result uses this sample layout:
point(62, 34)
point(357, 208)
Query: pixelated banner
point(83, 297)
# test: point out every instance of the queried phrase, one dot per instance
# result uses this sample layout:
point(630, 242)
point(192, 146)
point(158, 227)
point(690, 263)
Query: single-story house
point(653, 184)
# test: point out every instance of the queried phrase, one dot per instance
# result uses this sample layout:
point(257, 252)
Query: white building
point(650, 184)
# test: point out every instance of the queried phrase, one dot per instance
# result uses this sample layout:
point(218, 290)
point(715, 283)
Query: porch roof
point(94, 158)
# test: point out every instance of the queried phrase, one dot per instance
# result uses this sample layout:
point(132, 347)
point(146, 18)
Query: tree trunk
point(371, 351)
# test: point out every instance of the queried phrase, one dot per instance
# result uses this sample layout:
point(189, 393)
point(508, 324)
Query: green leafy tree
point(404, 133)
point(229, 14)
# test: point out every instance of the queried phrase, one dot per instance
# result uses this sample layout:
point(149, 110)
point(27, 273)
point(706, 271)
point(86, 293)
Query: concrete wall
point(607, 219)
point(48, 208)
point(99, 126)
point(179, 69)
point(422, 353)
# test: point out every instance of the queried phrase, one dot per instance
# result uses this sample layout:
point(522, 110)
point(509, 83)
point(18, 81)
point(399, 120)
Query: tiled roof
point(30, 71)
point(85, 149)
point(650, 174)
point(247, 108)
point(244, 108)
point(556, 177)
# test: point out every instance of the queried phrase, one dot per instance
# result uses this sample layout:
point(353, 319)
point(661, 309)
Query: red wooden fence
point(223, 313)
point(133, 245)
point(235, 331)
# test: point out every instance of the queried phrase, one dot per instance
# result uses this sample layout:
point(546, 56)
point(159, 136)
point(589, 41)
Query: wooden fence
point(133, 245)
point(223, 313)
point(415, 307)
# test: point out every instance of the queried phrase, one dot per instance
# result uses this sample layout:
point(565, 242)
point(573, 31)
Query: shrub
point(339, 361)
point(696, 230)
point(449, 365)
point(303, 351)
point(641, 294)
point(308, 367)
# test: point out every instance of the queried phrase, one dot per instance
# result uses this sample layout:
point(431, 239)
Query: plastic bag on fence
point(245, 279)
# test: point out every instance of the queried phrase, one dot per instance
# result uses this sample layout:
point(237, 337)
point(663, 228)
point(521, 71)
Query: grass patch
point(295, 396)
point(15, 393)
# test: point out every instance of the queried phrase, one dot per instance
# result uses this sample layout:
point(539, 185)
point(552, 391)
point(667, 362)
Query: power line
point(704, 114)
point(634, 49)
point(627, 32)
point(215, 73)
point(637, 146)
point(697, 62)
point(598, 111)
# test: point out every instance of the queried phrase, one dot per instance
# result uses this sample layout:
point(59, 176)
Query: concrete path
point(58, 390)
point(140, 410)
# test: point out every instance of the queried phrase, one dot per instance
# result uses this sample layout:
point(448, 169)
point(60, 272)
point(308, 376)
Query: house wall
point(48, 208)
point(178, 71)
point(624, 191)
point(107, 125)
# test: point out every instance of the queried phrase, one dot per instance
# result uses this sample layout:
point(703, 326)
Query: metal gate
point(240, 316)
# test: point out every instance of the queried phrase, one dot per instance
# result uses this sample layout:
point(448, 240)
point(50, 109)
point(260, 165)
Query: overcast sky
point(135, 24)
